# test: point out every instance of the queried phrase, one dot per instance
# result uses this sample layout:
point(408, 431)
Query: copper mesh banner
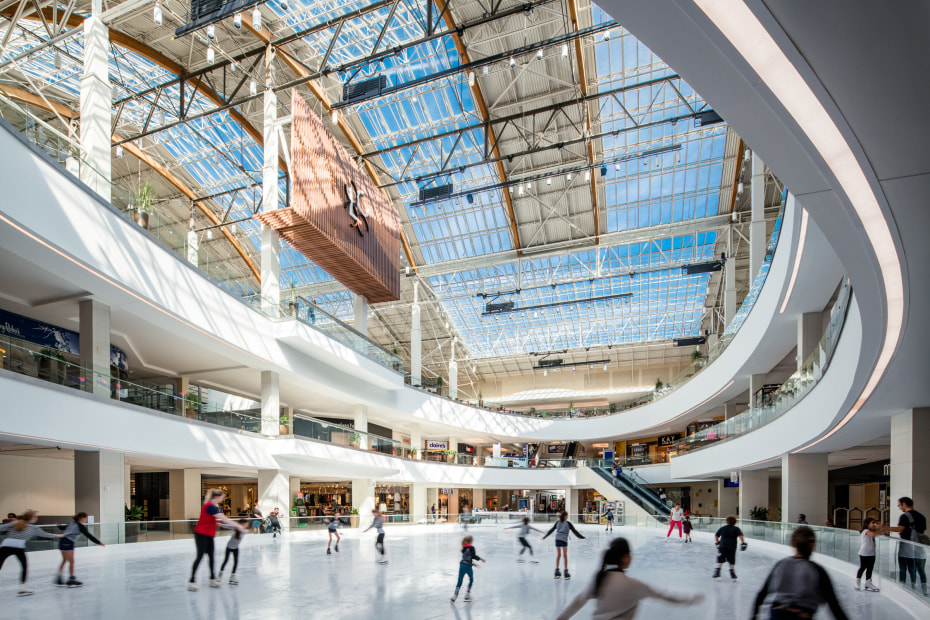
point(337, 218)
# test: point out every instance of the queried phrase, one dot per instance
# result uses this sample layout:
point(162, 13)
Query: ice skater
point(66, 546)
point(870, 529)
point(14, 543)
point(377, 522)
point(333, 524)
point(799, 586)
point(674, 518)
point(524, 528)
point(618, 595)
point(725, 539)
point(232, 550)
point(687, 527)
point(610, 520)
point(466, 568)
point(205, 532)
point(562, 528)
point(275, 524)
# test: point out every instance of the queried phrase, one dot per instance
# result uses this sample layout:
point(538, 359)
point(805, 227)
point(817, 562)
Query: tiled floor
point(294, 578)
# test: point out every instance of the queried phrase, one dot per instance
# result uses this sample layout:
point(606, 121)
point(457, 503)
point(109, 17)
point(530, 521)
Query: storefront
point(593, 505)
point(323, 499)
point(436, 450)
point(241, 494)
point(394, 501)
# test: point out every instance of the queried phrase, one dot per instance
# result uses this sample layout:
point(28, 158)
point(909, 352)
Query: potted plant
point(659, 385)
point(51, 363)
point(413, 453)
point(452, 454)
point(571, 407)
point(282, 425)
point(613, 408)
point(533, 411)
point(758, 513)
point(192, 404)
point(480, 399)
point(354, 438)
point(696, 357)
point(132, 516)
point(439, 385)
point(142, 202)
point(353, 518)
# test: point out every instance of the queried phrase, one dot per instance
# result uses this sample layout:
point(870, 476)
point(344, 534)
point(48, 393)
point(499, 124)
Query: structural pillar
point(289, 412)
point(96, 104)
point(416, 368)
point(271, 404)
point(181, 386)
point(185, 498)
point(363, 499)
point(293, 488)
point(270, 260)
point(360, 307)
point(730, 410)
point(361, 425)
point(271, 271)
point(809, 332)
point(193, 248)
point(273, 491)
point(453, 374)
point(910, 461)
point(755, 384)
point(753, 492)
point(94, 343)
point(416, 440)
point(757, 225)
point(729, 293)
point(727, 499)
point(477, 498)
point(804, 488)
point(100, 490)
point(570, 505)
point(417, 505)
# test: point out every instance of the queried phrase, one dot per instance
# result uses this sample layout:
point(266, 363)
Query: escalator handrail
point(645, 500)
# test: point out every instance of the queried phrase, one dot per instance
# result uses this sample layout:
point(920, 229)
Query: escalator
point(645, 498)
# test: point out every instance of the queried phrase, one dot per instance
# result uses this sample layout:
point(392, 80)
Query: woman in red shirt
point(205, 531)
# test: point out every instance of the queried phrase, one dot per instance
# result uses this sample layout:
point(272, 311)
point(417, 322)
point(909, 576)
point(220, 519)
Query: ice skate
point(233, 580)
point(869, 586)
point(558, 573)
point(214, 583)
point(74, 583)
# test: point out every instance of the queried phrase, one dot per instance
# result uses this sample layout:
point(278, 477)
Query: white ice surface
point(294, 578)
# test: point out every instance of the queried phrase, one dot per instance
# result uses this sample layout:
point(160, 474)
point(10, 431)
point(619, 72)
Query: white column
point(570, 506)
point(804, 487)
point(273, 490)
point(416, 359)
point(453, 374)
point(757, 225)
point(271, 271)
point(100, 488)
point(416, 439)
point(181, 386)
point(360, 306)
point(418, 505)
point(184, 494)
point(96, 103)
point(361, 424)
point(755, 384)
point(363, 498)
point(910, 461)
point(477, 496)
point(271, 404)
point(753, 491)
point(727, 499)
point(809, 332)
point(729, 293)
point(293, 488)
point(730, 410)
point(270, 167)
point(193, 248)
point(94, 342)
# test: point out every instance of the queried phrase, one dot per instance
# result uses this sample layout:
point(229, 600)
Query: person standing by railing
point(912, 559)
point(205, 532)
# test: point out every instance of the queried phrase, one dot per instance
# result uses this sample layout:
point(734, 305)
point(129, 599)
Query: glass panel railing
point(786, 396)
point(314, 428)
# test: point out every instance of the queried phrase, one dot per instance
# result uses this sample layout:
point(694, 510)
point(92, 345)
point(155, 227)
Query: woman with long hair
point(14, 543)
point(205, 532)
point(562, 528)
point(66, 546)
point(617, 594)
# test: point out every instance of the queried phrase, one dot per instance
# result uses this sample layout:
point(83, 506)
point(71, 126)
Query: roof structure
point(579, 172)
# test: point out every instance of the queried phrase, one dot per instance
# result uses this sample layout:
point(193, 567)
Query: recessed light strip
point(741, 27)
point(802, 235)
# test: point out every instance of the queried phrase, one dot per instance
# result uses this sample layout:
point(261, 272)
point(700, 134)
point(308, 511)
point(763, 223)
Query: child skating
point(687, 527)
point(870, 529)
point(378, 523)
point(18, 532)
point(466, 568)
point(525, 528)
point(725, 539)
point(232, 549)
point(66, 546)
point(609, 517)
point(333, 525)
point(562, 528)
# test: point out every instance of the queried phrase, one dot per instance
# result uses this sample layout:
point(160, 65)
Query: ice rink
point(294, 578)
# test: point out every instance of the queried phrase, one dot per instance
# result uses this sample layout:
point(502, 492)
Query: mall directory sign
point(337, 217)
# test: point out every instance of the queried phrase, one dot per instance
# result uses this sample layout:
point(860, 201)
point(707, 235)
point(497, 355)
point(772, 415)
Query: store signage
point(338, 218)
point(50, 336)
point(446, 491)
point(668, 440)
point(437, 445)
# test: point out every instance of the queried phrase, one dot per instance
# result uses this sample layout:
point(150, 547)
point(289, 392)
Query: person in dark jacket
point(562, 528)
point(797, 585)
point(66, 546)
point(465, 568)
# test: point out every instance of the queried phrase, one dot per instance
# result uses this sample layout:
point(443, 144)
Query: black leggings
point(379, 544)
point(866, 564)
point(204, 547)
point(914, 567)
point(526, 546)
point(20, 554)
point(235, 555)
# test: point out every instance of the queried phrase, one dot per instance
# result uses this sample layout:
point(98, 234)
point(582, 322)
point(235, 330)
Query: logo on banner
point(437, 445)
point(354, 205)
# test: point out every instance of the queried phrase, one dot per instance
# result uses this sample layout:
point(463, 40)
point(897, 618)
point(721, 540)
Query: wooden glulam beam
point(158, 168)
point(478, 96)
point(264, 35)
point(583, 83)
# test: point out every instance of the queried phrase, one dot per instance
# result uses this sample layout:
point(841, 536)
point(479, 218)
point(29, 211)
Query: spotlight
point(211, 31)
point(233, 67)
point(529, 185)
point(617, 167)
point(521, 190)
point(209, 234)
point(677, 158)
point(605, 366)
point(513, 62)
point(539, 54)
point(156, 14)
point(119, 152)
point(587, 175)
point(335, 116)
point(565, 50)
point(607, 36)
point(545, 373)
point(284, 5)
point(237, 21)
point(484, 70)
point(569, 176)
point(471, 78)
point(257, 19)
point(253, 87)
point(739, 188)
point(746, 155)
point(549, 181)
point(210, 55)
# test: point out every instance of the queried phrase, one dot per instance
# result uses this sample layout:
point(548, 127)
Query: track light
point(513, 62)
point(211, 31)
point(549, 181)
point(529, 185)
point(617, 167)
point(739, 188)
point(565, 50)
point(335, 116)
point(545, 373)
point(658, 163)
point(257, 19)
point(156, 14)
point(569, 177)
point(237, 21)
point(746, 155)
point(607, 36)
point(521, 190)
point(209, 234)
point(605, 366)
point(284, 5)
point(211, 56)
point(233, 67)
point(485, 70)
point(587, 175)
point(253, 87)
point(539, 54)
point(57, 60)
point(119, 152)
point(471, 78)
